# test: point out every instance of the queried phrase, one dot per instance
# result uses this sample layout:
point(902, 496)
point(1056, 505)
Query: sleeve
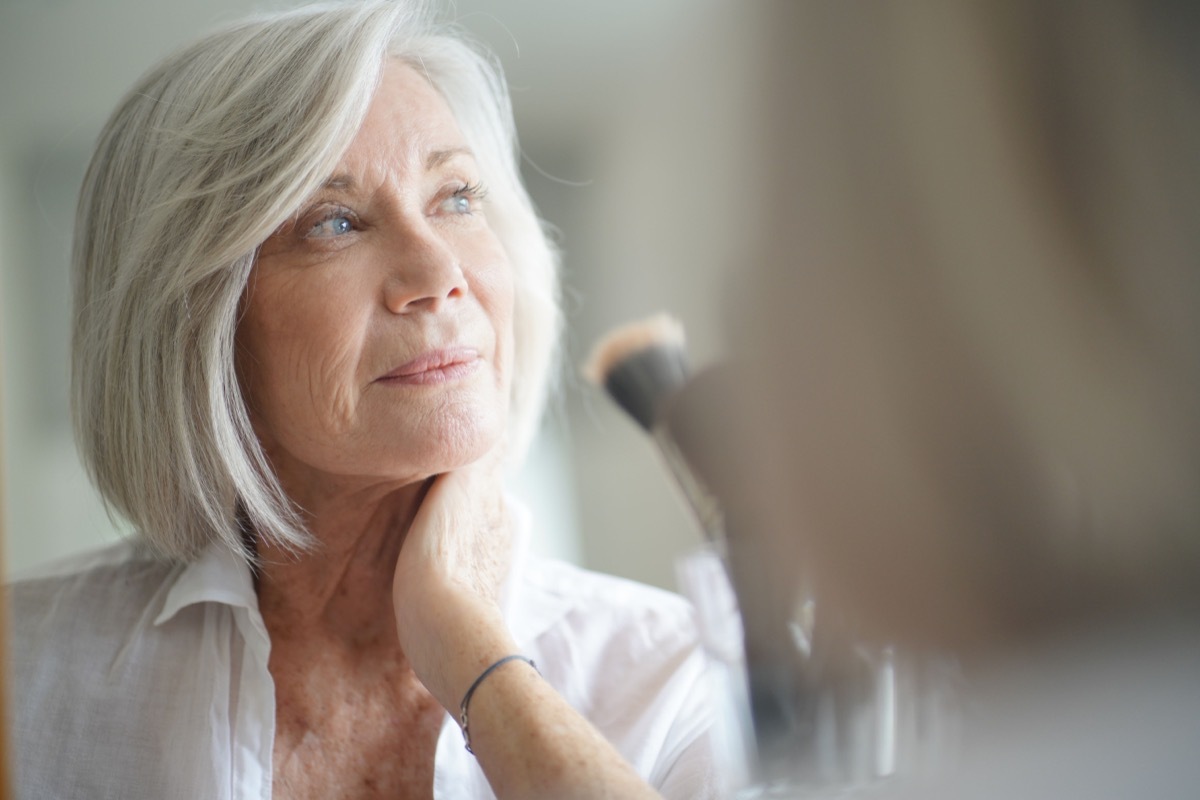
point(694, 774)
point(629, 659)
point(689, 767)
point(688, 763)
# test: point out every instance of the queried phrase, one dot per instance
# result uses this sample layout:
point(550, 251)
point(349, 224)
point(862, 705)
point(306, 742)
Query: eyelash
point(472, 191)
point(331, 215)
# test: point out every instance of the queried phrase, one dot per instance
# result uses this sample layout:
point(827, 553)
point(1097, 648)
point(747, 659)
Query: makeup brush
point(642, 366)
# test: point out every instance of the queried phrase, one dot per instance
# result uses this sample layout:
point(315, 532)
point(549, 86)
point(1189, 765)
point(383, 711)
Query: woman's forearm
point(532, 744)
point(529, 741)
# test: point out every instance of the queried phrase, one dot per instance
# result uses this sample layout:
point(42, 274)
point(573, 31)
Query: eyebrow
point(339, 183)
point(439, 157)
point(346, 183)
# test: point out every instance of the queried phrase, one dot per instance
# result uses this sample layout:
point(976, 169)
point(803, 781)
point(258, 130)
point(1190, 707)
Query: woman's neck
point(341, 589)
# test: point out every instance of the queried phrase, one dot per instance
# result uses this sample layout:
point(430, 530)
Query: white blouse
point(141, 680)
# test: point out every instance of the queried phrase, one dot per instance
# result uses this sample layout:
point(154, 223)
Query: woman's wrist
point(451, 642)
point(532, 744)
point(464, 708)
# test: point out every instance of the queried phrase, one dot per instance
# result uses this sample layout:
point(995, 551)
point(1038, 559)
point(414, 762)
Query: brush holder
point(815, 714)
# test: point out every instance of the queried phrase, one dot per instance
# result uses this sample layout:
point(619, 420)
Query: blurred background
point(614, 102)
point(968, 230)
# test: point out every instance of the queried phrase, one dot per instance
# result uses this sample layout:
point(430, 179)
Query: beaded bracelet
point(462, 707)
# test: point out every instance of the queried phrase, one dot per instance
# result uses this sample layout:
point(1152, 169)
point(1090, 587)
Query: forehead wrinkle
point(384, 176)
point(424, 137)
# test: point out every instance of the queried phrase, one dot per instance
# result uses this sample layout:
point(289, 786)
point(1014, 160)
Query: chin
point(456, 436)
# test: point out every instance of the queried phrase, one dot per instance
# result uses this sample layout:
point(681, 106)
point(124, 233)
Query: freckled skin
point(379, 630)
point(324, 317)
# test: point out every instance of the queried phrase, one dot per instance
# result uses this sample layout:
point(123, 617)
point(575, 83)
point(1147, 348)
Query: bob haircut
point(202, 160)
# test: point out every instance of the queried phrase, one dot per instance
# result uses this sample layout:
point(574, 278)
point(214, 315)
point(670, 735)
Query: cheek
point(503, 318)
point(297, 358)
point(495, 290)
point(326, 390)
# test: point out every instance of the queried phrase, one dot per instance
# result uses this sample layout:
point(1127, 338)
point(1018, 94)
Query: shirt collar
point(219, 576)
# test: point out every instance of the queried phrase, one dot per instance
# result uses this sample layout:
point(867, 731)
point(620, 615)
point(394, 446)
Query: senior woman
point(315, 314)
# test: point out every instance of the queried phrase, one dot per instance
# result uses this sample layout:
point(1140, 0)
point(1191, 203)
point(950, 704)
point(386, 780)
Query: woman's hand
point(529, 742)
point(461, 536)
point(448, 577)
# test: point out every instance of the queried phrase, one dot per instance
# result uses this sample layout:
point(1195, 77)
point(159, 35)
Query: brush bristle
point(640, 365)
point(661, 330)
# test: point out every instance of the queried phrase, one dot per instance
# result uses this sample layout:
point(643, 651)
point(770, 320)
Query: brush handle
point(702, 501)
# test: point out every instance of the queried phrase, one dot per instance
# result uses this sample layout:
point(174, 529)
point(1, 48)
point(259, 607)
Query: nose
point(424, 273)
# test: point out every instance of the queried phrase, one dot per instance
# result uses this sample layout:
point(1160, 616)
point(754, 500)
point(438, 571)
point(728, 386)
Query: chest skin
point(351, 723)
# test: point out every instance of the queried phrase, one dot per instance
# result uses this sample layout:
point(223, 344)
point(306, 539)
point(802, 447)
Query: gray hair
point(204, 158)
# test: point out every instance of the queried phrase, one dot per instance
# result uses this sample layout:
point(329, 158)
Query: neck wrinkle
point(342, 589)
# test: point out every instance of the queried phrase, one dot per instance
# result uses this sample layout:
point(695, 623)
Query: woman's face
point(376, 340)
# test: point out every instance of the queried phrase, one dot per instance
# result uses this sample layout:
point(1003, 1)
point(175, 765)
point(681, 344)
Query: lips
point(435, 366)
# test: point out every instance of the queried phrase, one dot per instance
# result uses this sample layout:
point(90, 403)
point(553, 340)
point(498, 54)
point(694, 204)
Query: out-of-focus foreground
point(972, 329)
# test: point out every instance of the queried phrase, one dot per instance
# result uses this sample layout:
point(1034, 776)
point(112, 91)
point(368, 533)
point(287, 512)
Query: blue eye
point(465, 199)
point(329, 228)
